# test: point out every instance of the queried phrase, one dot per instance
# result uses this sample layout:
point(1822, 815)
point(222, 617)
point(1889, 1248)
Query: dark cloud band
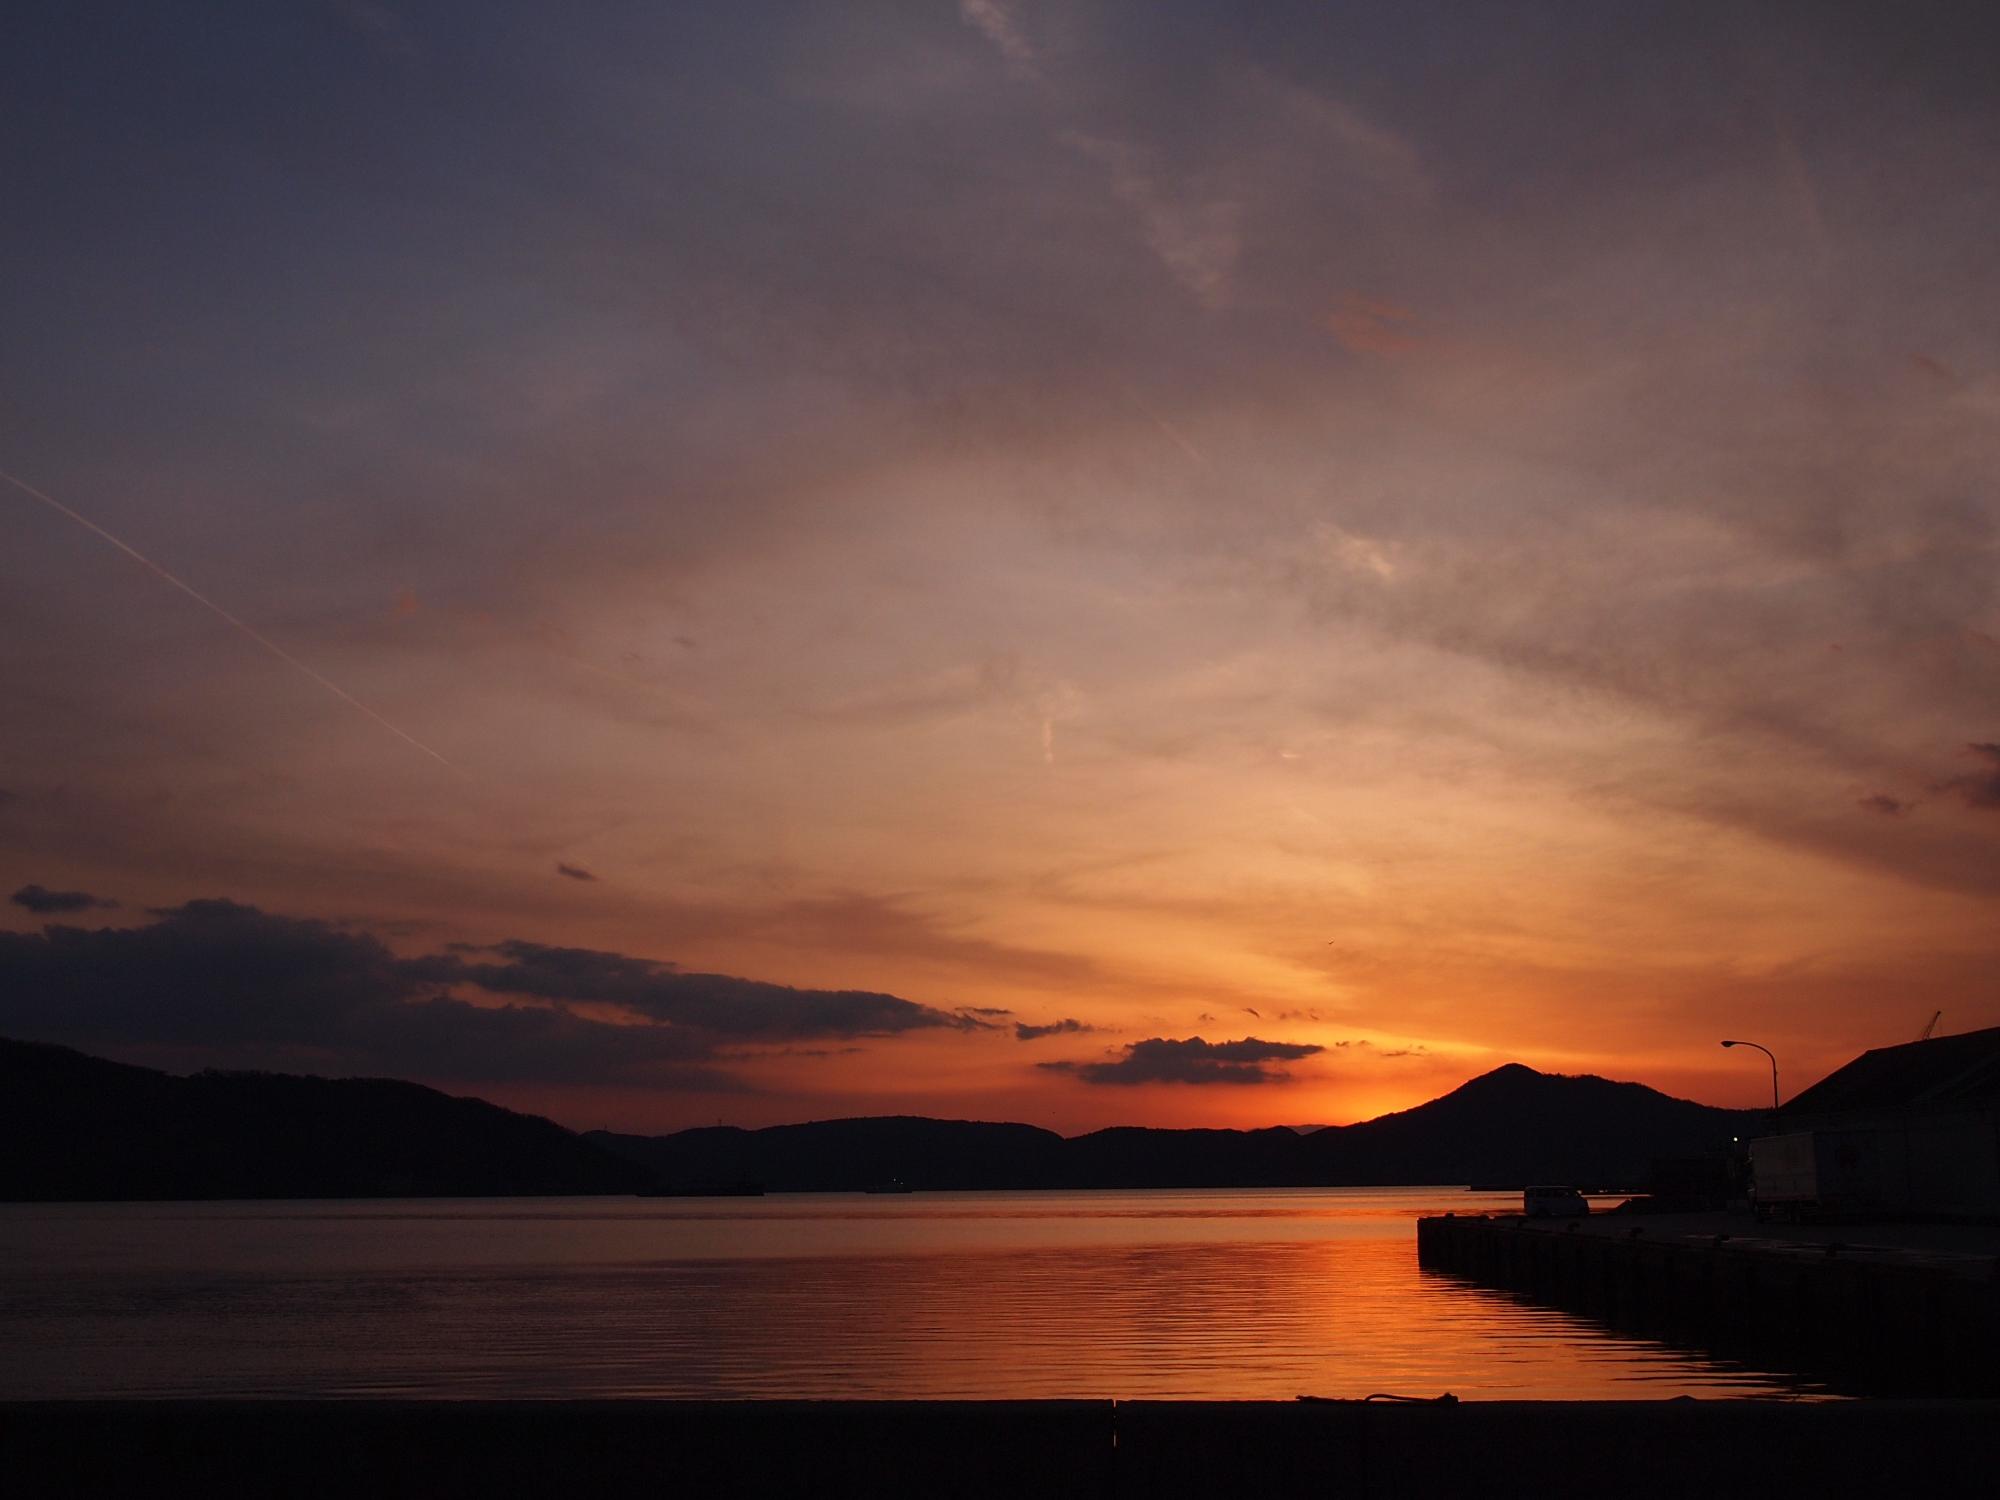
point(45, 902)
point(1192, 1060)
point(243, 983)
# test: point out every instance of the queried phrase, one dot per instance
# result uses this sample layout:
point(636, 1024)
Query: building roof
point(1939, 1073)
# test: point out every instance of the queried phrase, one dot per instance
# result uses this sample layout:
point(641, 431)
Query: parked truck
point(1828, 1172)
point(1933, 1162)
point(1785, 1174)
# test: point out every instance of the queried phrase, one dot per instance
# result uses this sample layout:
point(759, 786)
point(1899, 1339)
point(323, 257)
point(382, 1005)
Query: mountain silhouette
point(79, 1127)
point(1511, 1126)
point(1515, 1125)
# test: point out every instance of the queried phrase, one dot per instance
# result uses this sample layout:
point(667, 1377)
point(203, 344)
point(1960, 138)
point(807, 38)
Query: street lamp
point(1774, 1068)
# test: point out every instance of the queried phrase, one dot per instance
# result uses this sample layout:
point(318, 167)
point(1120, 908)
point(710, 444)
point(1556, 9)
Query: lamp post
point(1774, 1068)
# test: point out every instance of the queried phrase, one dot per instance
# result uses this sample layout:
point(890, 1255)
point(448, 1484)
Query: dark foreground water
point(1208, 1294)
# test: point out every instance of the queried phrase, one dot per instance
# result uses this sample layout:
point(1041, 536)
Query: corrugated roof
point(1944, 1071)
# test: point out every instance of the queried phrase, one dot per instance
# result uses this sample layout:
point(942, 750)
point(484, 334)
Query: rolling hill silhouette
point(1513, 1125)
point(79, 1127)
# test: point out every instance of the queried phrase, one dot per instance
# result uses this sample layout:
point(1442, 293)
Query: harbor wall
point(1875, 1322)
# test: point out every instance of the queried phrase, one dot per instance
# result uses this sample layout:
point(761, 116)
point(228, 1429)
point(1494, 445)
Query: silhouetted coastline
point(1509, 1127)
point(85, 1128)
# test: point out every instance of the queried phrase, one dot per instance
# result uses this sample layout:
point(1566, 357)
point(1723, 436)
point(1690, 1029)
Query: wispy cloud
point(1887, 806)
point(1193, 228)
point(1354, 554)
point(997, 23)
point(1980, 788)
point(1367, 326)
point(1023, 1032)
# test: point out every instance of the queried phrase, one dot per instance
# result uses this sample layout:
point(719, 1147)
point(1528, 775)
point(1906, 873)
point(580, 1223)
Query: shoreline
point(999, 1448)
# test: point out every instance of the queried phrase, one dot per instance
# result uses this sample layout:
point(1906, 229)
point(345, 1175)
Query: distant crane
point(1930, 1026)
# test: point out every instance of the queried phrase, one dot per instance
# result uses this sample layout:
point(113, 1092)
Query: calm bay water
point(1215, 1294)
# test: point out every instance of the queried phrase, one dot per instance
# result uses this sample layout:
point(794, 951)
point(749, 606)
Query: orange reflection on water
point(1218, 1295)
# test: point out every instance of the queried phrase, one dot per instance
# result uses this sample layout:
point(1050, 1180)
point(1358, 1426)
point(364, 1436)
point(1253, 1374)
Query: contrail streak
point(1172, 433)
point(209, 604)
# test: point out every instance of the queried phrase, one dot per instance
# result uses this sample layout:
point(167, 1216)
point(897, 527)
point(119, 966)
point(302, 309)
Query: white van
point(1553, 1203)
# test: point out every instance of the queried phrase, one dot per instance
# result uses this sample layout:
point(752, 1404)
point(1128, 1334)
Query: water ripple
point(1128, 1295)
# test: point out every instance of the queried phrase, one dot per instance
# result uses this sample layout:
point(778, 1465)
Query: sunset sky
point(1161, 563)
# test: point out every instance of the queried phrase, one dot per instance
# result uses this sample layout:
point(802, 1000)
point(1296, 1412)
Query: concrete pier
point(1870, 1315)
point(1048, 1450)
